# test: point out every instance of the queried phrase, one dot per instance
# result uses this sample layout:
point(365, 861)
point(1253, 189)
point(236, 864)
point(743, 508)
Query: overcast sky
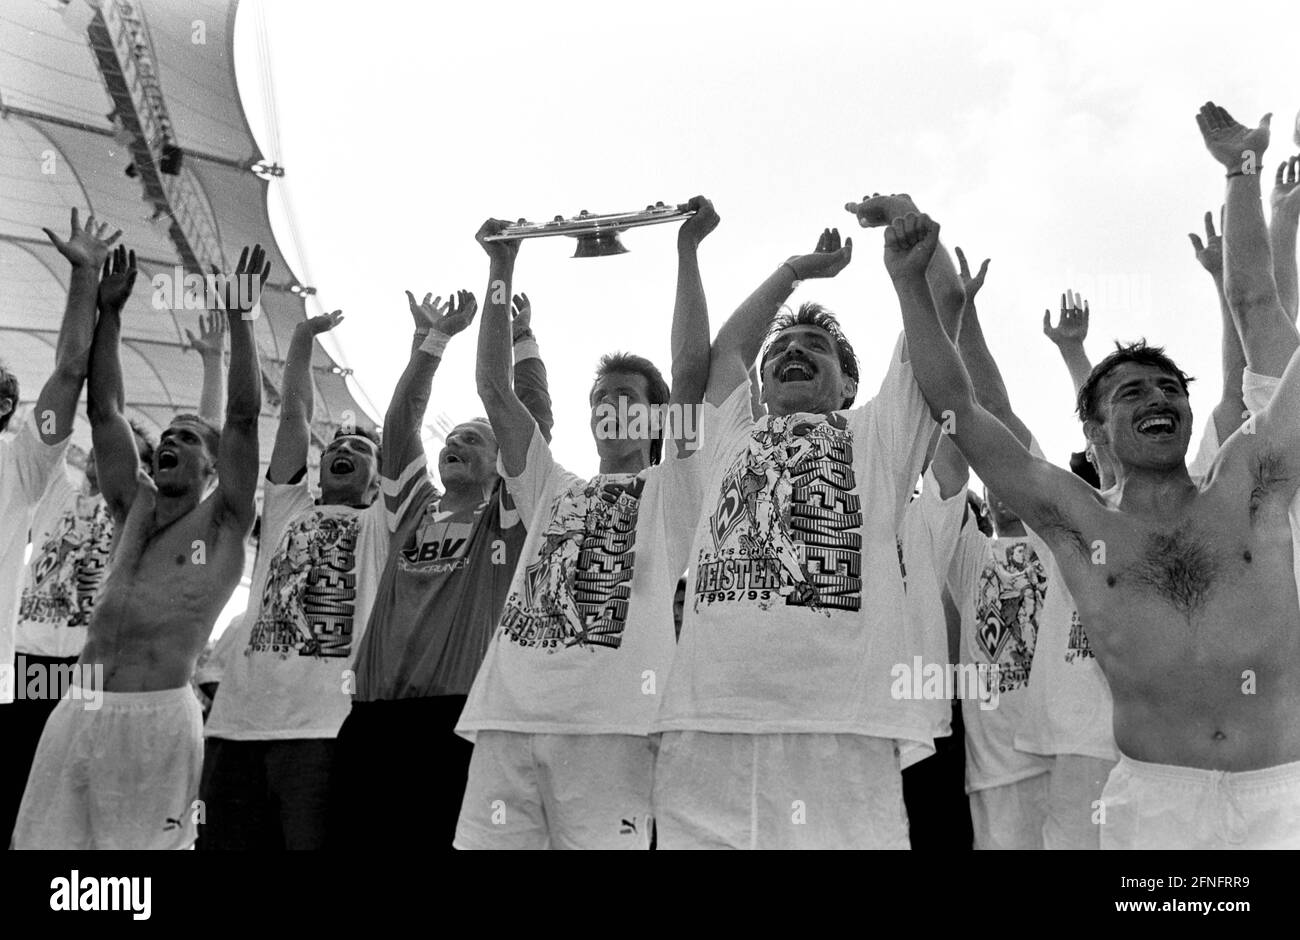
point(1059, 140)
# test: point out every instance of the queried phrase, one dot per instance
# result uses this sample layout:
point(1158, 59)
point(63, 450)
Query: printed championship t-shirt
point(72, 537)
point(1001, 587)
point(586, 638)
point(926, 544)
point(310, 600)
point(441, 593)
point(27, 464)
point(795, 613)
point(212, 666)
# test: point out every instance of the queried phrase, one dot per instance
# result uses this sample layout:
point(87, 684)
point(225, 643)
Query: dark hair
point(1138, 352)
point(814, 314)
point(370, 434)
point(1082, 468)
point(8, 389)
point(656, 387)
point(210, 432)
point(143, 437)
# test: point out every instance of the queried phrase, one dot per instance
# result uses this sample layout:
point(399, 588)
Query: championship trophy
point(597, 235)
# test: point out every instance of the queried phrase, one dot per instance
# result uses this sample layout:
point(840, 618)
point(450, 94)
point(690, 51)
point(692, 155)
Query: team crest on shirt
point(1011, 591)
point(310, 595)
point(576, 592)
point(69, 566)
point(787, 526)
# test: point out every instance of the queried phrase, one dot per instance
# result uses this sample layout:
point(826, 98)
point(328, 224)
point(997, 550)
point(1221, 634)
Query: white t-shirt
point(291, 677)
point(1257, 391)
point(795, 614)
point(72, 537)
point(926, 544)
point(1002, 587)
point(1206, 452)
point(586, 638)
point(1070, 709)
point(212, 668)
point(26, 466)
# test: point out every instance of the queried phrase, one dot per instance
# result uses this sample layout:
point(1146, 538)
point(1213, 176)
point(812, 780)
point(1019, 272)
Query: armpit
point(1056, 527)
point(1270, 474)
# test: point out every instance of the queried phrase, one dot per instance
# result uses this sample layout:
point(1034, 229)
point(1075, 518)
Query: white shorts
point(561, 791)
point(778, 791)
point(1010, 816)
point(1074, 802)
point(123, 776)
point(1159, 806)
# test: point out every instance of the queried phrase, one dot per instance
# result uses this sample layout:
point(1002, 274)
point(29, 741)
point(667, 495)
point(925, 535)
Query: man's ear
point(1095, 433)
point(6, 406)
point(850, 388)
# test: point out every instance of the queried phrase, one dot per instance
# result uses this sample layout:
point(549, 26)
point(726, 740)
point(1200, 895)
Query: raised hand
point(1238, 147)
point(1285, 198)
point(117, 279)
point(86, 247)
point(446, 318)
point(322, 324)
point(828, 259)
point(240, 292)
point(877, 210)
point(695, 229)
point(970, 286)
point(211, 341)
point(1210, 254)
point(522, 311)
point(910, 242)
point(1073, 325)
point(503, 251)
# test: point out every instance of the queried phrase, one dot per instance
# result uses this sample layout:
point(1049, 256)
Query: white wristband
point(435, 343)
point(527, 349)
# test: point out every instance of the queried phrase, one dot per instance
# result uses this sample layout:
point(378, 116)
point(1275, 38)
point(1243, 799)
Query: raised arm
point(210, 344)
point(1228, 412)
point(1268, 336)
point(531, 384)
point(990, 390)
point(741, 338)
point(942, 276)
point(1285, 202)
point(117, 460)
point(511, 421)
point(297, 400)
point(237, 462)
point(1068, 335)
point(1034, 489)
point(435, 324)
point(87, 251)
point(690, 332)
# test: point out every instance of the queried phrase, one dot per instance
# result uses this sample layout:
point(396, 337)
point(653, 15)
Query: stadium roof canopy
point(130, 110)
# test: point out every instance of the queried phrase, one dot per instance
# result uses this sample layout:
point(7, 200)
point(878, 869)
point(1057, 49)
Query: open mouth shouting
point(168, 460)
point(795, 370)
point(342, 465)
point(1160, 426)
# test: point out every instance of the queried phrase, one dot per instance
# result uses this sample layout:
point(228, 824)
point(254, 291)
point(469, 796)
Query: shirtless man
point(1185, 587)
point(125, 776)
